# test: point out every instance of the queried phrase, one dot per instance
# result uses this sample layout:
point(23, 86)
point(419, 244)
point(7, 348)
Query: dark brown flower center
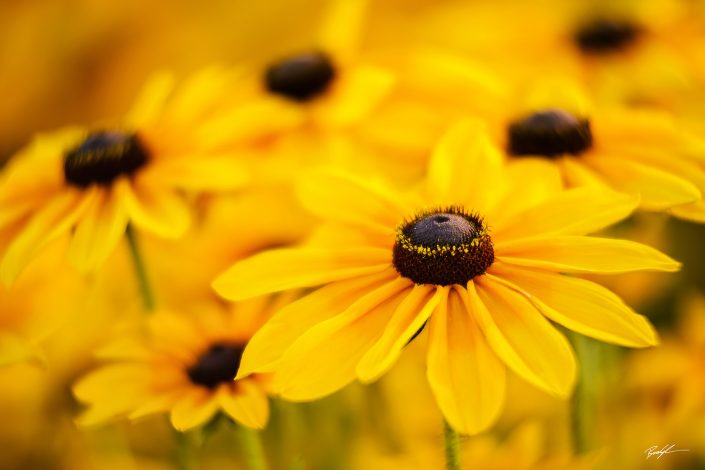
point(300, 77)
point(602, 36)
point(217, 365)
point(549, 133)
point(104, 156)
point(443, 247)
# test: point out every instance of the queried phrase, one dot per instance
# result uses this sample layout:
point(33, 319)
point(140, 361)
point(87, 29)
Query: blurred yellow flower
point(184, 366)
point(389, 262)
point(92, 183)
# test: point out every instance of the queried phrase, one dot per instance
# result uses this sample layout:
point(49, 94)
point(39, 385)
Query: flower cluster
point(441, 191)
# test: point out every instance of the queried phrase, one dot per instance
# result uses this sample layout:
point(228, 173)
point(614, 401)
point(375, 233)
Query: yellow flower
point(93, 182)
point(483, 270)
point(632, 151)
point(185, 367)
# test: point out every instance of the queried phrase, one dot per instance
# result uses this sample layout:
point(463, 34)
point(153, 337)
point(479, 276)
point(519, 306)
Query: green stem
point(140, 270)
point(252, 448)
point(584, 402)
point(184, 456)
point(452, 447)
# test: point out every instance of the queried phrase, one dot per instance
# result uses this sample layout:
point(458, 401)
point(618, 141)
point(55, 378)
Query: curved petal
point(342, 197)
point(157, 210)
point(572, 212)
point(246, 403)
point(290, 268)
point(342, 26)
point(522, 337)
point(151, 100)
point(98, 231)
point(195, 408)
point(267, 346)
point(51, 221)
point(578, 254)
point(323, 360)
point(658, 189)
point(466, 168)
point(467, 378)
point(407, 320)
point(581, 305)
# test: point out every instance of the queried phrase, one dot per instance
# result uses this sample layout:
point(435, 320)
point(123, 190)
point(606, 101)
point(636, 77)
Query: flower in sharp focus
point(93, 182)
point(483, 266)
point(185, 367)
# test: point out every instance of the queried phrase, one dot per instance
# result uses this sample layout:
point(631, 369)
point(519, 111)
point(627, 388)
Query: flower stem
point(251, 448)
point(584, 402)
point(184, 457)
point(452, 447)
point(140, 270)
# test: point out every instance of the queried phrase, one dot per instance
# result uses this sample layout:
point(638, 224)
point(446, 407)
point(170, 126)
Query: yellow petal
point(249, 122)
point(577, 254)
point(55, 218)
point(202, 172)
point(354, 94)
point(466, 168)
point(467, 378)
point(323, 360)
point(658, 189)
point(290, 268)
point(151, 100)
point(246, 403)
point(407, 320)
point(194, 409)
point(158, 210)
point(342, 26)
point(267, 346)
point(582, 306)
point(572, 212)
point(522, 337)
point(98, 231)
point(343, 197)
point(577, 174)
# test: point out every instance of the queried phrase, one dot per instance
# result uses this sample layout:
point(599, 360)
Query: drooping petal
point(98, 231)
point(267, 346)
point(291, 268)
point(194, 409)
point(323, 360)
point(54, 219)
point(158, 210)
point(577, 254)
point(408, 319)
point(522, 337)
point(581, 305)
point(466, 168)
point(572, 212)
point(467, 378)
point(245, 403)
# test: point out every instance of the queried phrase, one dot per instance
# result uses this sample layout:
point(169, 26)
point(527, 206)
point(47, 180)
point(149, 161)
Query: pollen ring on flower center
point(443, 246)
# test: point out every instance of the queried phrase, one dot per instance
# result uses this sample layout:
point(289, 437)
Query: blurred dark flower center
point(300, 77)
point(443, 247)
point(549, 133)
point(603, 36)
point(217, 365)
point(102, 157)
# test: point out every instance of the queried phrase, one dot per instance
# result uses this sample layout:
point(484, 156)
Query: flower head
point(481, 260)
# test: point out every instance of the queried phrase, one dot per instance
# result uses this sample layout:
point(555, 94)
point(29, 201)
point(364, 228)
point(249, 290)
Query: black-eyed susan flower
point(484, 267)
point(185, 367)
point(92, 182)
point(631, 151)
